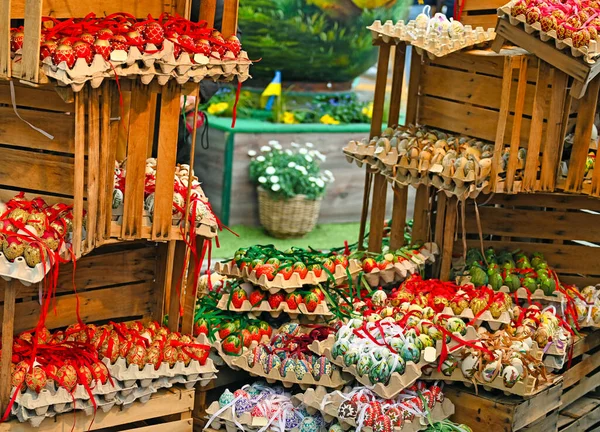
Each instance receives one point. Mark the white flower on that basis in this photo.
(303, 171)
(289, 152)
(320, 183)
(328, 173)
(277, 146)
(270, 170)
(275, 187)
(321, 156)
(312, 179)
(273, 143)
(274, 179)
(291, 164)
(295, 145)
(303, 151)
(309, 145)
(265, 149)
(251, 153)
(308, 158)
(260, 159)
(262, 179)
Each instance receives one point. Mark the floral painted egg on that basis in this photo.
(309, 424)
(340, 347)
(344, 333)
(364, 365)
(510, 376)
(351, 356)
(436, 391)
(426, 341)
(292, 420)
(290, 328)
(449, 365)
(271, 362)
(469, 366)
(517, 363)
(322, 367)
(396, 344)
(244, 405)
(382, 423)
(225, 399)
(429, 398)
(379, 298)
(410, 352)
(380, 372)
(301, 368)
(282, 355)
(395, 415)
(355, 323)
(435, 333)
(396, 364)
(490, 371)
(36, 379)
(255, 356)
(287, 365)
(348, 410)
(456, 325)
(117, 198)
(335, 428)
(381, 353)
(279, 341)
(371, 413)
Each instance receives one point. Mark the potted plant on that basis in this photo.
(290, 186)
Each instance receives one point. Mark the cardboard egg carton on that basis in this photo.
(522, 293)
(493, 323)
(131, 374)
(431, 42)
(18, 269)
(360, 151)
(321, 311)
(280, 284)
(588, 53)
(314, 398)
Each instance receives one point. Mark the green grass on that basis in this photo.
(322, 237)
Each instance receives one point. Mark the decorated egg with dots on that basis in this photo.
(355, 323)
(301, 368)
(291, 329)
(288, 365)
(436, 391)
(322, 367)
(382, 423)
(348, 409)
(395, 415)
(335, 428)
(278, 341)
(272, 361)
(309, 424)
(244, 405)
(292, 420)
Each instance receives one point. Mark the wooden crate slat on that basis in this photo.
(584, 422)
(516, 135)
(106, 169)
(485, 21)
(554, 201)
(463, 86)
(475, 5)
(93, 174)
(448, 115)
(584, 386)
(42, 97)
(139, 121)
(78, 168)
(184, 425)
(15, 132)
(101, 304)
(167, 153)
(10, 290)
(207, 11)
(164, 403)
(5, 60)
(70, 9)
(30, 62)
(230, 18)
(26, 170)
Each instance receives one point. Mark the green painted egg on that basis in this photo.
(411, 352)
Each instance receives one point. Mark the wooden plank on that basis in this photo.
(482, 5)
(191, 291)
(377, 213)
(117, 131)
(554, 139)
(521, 64)
(101, 304)
(165, 163)
(380, 90)
(584, 422)
(544, 200)
(93, 174)
(414, 104)
(478, 412)
(42, 97)
(177, 274)
(139, 121)
(106, 168)
(398, 217)
(581, 407)
(5, 60)
(10, 291)
(468, 87)
(30, 62)
(580, 370)
(421, 215)
(535, 408)
(184, 425)
(525, 224)
(581, 140)
(448, 238)
(15, 132)
(574, 394)
(207, 11)
(164, 403)
(230, 18)
(42, 172)
(485, 21)
(587, 343)
(537, 122)
(562, 258)
(545, 424)
(162, 279)
(78, 171)
(69, 9)
(397, 84)
(469, 120)
(440, 217)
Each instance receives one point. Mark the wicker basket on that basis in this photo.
(294, 217)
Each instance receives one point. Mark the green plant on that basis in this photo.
(291, 172)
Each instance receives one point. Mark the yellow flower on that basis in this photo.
(329, 120)
(217, 108)
(368, 110)
(289, 118)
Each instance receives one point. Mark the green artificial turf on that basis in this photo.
(322, 237)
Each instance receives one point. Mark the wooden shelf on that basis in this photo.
(169, 402)
(205, 231)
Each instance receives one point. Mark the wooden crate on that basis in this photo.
(560, 226)
(479, 13)
(566, 406)
(28, 69)
(167, 410)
